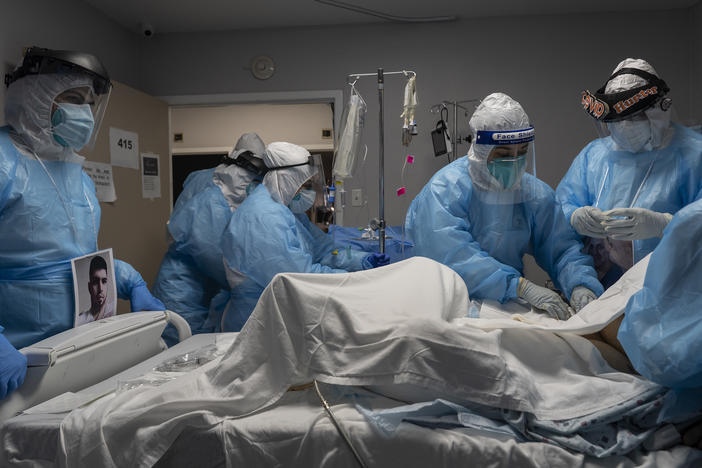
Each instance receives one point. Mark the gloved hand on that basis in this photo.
(635, 223)
(13, 367)
(374, 260)
(586, 220)
(580, 297)
(141, 299)
(544, 299)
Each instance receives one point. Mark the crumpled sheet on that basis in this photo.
(592, 318)
(613, 431)
(387, 327)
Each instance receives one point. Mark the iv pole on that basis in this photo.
(380, 221)
(456, 105)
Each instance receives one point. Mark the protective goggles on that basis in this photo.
(613, 107)
(512, 137)
(247, 160)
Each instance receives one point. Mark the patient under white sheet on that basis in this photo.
(400, 324)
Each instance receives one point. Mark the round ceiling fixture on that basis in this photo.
(262, 67)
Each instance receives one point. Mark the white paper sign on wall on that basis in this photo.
(124, 148)
(150, 176)
(101, 174)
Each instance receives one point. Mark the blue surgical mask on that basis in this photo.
(507, 171)
(303, 201)
(72, 125)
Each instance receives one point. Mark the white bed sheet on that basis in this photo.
(592, 318)
(296, 432)
(379, 327)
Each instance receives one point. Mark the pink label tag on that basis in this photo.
(410, 158)
(401, 191)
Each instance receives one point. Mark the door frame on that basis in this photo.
(332, 96)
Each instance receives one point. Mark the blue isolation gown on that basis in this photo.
(663, 180)
(484, 235)
(662, 327)
(265, 238)
(42, 227)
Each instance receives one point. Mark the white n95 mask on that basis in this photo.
(630, 135)
(303, 201)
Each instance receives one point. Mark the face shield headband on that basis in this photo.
(246, 160)
(498, 138)
(45, 61)
(310, 161)
(613, 107)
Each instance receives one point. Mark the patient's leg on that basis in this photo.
(609, 346)
(609, 334)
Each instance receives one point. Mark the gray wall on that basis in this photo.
(66, 24)
(696, 62)
(544, 62)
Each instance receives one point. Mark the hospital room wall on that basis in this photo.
(542, 61)
(71, 25)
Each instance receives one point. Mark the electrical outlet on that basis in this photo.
(357, 197)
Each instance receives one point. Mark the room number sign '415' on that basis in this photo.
(124, 148)
(125, 144)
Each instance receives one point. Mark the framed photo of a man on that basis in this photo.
(94, 287)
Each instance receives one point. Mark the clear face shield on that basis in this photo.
(310, 197)
(76, 115)
(501, 174)
(75, 87)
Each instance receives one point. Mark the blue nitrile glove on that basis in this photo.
(13, 367)
(130, 285)
(374, 260)
(141, 299)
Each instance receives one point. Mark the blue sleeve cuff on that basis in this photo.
(127, 278)
(511, 292)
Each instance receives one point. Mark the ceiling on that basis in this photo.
(170, 16)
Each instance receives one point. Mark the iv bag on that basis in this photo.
(348, 144)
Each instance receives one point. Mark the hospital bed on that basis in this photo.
(82, 356)
(296, 430)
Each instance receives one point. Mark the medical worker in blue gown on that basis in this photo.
(623, 189)
(662, 328)
(270, 233)
(480, 214)
(202, 179)
(191, 280)
(48, 209)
